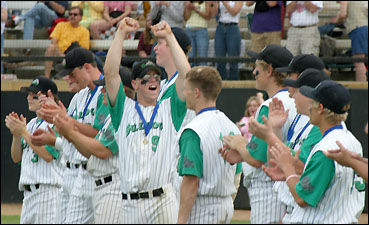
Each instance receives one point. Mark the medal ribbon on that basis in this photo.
(298, 136)
(147, 126)
(89, 100)
(292, 127)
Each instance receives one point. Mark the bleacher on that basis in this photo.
(13, 43)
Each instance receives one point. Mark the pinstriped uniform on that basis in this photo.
(107, 197)
(40, 205)
(78, 186)
(265, 206)
(341, 202)
(213, 202)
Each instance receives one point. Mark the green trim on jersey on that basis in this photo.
(51, 149)
(167, 93)
(116, 112)
(316, 178)
(308, 144)
(239, 168)
(258, 147)
(108, 140)
(178, 107)
(190, 161)
(102, 112)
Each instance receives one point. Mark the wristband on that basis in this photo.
(59, 144)
(291, 176)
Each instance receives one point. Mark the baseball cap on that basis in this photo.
(309, 77)
(332, 95)
(182, 38)
(75, 58)
(301, 62)
(273, 54)
(141, 68)
(125, 75)
(41, 83)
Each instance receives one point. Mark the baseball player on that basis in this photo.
(102, 154)
(265, 207)
(326, 192)
(145, 130)
(88, 115)
(41, 175)
(207, 185)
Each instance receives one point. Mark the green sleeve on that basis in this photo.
(107, 139)
(102, 111)
(178, 107)
(258, 147)
(308, 144)
(316, 178)
(190, 161)
(51, 149)
(116, 112)
(167, 93)
(239, 168)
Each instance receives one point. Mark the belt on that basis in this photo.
(72, 165)
(104, 180)
(228, 24)
(313, 25)
(135, 196)
(28, 187)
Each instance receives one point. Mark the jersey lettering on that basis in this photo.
(155, 142)
(134, 127)
(358, 183)
(35, 158)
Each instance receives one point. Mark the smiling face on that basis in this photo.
(302, 103)
(261, 73)
(79, 78)
(33, 102)
(147, 87)
(253, 107)
(162, 52)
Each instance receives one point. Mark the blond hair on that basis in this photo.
(252, 98)
(330, 116)
(207, 79)
(278, 77)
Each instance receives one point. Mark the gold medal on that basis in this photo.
(145, 141)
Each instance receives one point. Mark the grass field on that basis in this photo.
(15, 220)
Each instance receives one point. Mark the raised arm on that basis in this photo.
(113, 59)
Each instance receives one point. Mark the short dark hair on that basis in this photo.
(79, 9)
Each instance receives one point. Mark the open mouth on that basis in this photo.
(153, 87)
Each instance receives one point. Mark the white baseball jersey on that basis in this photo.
(344, 199)
(40, 205)
(265, 207)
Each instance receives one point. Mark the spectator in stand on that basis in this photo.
(266, 24)
(303, 36)
(228, 37)
(114, 12)
(252, 106)
(171, 11)
(355, 16)
(41, 15)
(197, 15)
(63, 36)
(146, 40)
(92, 10)
(4, 16)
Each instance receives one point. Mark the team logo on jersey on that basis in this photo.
(101, 118)
(187, 163)
(108, 135)
(306, 185)
(252, 145)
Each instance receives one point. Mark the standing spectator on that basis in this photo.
(92, 10)
(4, 16)
(228, 37)
(63, 36)
(171, 11)
(41, 15)
(146, 40)
(252, 105)
(303, 36)
(197, 15)
(355, 16)
(114, 12)
(266, 24)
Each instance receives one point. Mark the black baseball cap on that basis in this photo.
(182, 38)
(301, 62)
(41, 83)
(273, 54)
(141, 68)
(75, 58)
(309, 77)
(125, 75)
(332, 95)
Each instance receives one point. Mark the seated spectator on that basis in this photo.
(197, 15)
(92, 10)
(146, 40)
(114, 12)
(41, 15)
(266, 24)
(303, 36)
(63, 36)
(355, 16)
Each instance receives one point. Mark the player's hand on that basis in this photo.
(128, 25)
(235, 142)
(230, 155)
(277, 116)
(161, 30)
(262, 131)
(17, 125)
(46, 100)
(42, 137)
(49, 111)
(65, 125)
(274, 173)
(342, 155)
(283, 158)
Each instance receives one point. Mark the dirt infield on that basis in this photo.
(15, 209)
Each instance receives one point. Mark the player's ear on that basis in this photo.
(197, 92)
(134, 84)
